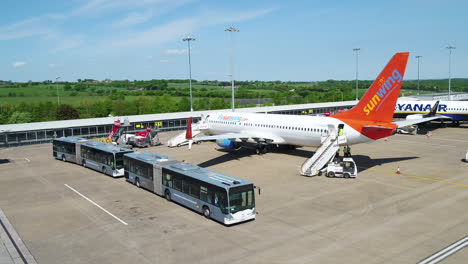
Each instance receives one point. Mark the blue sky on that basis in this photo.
(278, 40)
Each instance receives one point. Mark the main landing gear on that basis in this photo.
(261, 149)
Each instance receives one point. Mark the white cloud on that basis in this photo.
(176, 51)
(27, 28)
(19, 64)
(164, 61)
(52, 65)
(134, 18)
(155, 35)
(180, 28)
(71, 42)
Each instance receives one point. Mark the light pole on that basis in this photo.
(232, 30)
(417, 57)
(357, 71)
(341, 95)
(450, 48)
(188, 39)
(56, 86)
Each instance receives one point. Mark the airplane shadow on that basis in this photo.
(433, 126)
(362, 161)
(229, 156)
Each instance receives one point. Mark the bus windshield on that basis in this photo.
(241, 198)
(119, 164)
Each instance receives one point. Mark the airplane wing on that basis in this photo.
(244, 136)
(404, 123)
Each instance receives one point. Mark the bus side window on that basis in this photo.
(195, 190)
(177, 184)
(185, 186)
(204, 194)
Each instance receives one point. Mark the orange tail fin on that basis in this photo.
(378, 103)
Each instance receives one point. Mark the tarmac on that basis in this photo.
(12, 248)
(379, 217)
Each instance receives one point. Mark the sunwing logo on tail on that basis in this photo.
(386, 87)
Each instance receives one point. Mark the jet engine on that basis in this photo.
(228, 144)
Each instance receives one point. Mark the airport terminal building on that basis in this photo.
(43, 132)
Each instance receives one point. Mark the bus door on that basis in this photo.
(78, 153)
(157, 180)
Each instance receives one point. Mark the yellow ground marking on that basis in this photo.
(421, 178)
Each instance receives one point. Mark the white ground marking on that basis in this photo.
(27, 159)
(442, 254)
(100, 207)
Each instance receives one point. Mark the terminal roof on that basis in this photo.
(62, 124)
(71, 139)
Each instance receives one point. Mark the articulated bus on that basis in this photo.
(68, 148)
(224, 198)
(103, 157)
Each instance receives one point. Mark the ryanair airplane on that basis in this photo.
(455, 111)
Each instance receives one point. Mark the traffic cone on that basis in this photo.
(398, 170)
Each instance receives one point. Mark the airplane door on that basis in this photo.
(332, 129)
(157, 180)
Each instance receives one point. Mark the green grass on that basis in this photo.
(71, 100)
(194, 86)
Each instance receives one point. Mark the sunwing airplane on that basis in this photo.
(449, 110)
(369, 120)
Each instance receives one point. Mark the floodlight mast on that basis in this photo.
(357, 71)
(56, 86)
(450, 48)
(232, 30)
(188, 39)
(418, 57)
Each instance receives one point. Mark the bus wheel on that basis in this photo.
(206, 211)
(167, 195)
(63, 158)
(331, 174)
(347, 175)
(104, 170)
(137, 183)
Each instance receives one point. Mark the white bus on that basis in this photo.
(218, 196)
(68, 148)
(103, 157)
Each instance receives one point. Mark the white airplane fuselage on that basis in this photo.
(287, 129)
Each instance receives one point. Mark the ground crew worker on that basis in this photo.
(337, 156)
(347, 151)
(341, 132)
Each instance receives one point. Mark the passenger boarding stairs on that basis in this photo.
(326, 152)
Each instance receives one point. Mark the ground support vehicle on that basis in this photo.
(345, 167)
